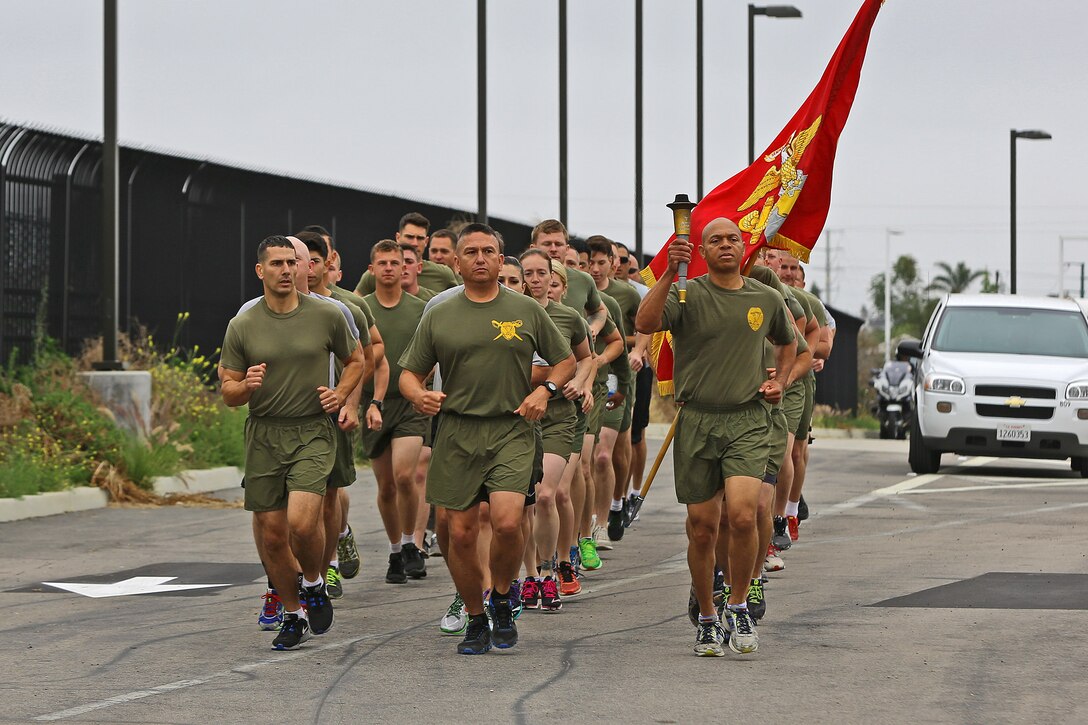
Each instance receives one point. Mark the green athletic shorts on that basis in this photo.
(343, 467)
(712, 446)
(596, 416)
(805, 422)
(581, 424)
(558, 426)
(473, 457)
(793, 404)
(619, 418)
(779, 439)
(399, 420)
(285, 455)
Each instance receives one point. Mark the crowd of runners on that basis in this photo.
(502, 402)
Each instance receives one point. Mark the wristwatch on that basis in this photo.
(551, 387)
(378, 404)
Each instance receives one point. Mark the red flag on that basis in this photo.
(765, 199)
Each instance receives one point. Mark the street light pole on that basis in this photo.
(481, 111)
(110, 213)
(1013, 135)
(888, 234)
(771, 11)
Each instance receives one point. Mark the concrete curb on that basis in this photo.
(202, 481)
(83, 498)
(86, 498)
(658, 431)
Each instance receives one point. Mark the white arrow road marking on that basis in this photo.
(135, 585)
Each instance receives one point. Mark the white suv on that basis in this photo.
(1001, 375)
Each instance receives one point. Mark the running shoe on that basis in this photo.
(587, 552)
(709, 639)
(395, 573)
(615, 525)
(793, 524)
(515, 598)
(781, 538)
(742, 633)
(530, 593)
(693, 607)
(271, 616)
(603, 544)
(549, 595)
(477, 637)
(757, 604)
(773, 562)
(802, 509)
(318, 608)
(414, 566)
(504, 633)
(455, 620)
(333, 583)
(576, 560)
(348, 555)
(630, 508)
(430, 544)
(720, 597)
(295, 631)
(568, 583)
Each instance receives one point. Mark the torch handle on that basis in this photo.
(682, 281)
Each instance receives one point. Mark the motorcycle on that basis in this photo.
(894, 384)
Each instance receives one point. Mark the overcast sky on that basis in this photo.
(382, 95)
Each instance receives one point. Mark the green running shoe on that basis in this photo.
(757, 603)
(334, 585)
(587, 549)
(348, 555)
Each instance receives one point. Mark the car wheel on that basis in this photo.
(922, 459)
(1080, 465)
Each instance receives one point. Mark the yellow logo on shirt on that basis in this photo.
(755, 318)
(507, 330)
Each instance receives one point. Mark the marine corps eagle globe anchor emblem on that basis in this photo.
(507, 330)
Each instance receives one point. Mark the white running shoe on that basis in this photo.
(773, 562)
(743, 638)
(455, 620)
(603, 542)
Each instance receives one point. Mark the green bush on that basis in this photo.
(24, 475)
(146, 460)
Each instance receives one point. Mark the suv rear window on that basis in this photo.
(1012, 331)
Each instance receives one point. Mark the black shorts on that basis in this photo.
(644, 390)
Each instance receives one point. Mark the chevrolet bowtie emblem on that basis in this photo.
(1015, 402)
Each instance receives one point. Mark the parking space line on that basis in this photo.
(992, 486)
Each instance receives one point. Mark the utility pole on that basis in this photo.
(110, 213)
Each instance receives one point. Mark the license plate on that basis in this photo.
(1014, 432)
(895, 408)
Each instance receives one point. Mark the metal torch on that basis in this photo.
(681, 224)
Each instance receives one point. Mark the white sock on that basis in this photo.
(307, 583)
(345, 532)
(300, 613)
(394, 548)
(407, 539)
(791, 508)
(617, 505)
(335, 563)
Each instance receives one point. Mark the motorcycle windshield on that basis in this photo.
(896, 371)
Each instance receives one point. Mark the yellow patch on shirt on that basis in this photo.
(755, 318)
(509, 330)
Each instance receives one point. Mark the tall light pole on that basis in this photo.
(563, 113)
(1013, 135)
(888, 234)
(698, 100)
(110, 213)
(481, 111)
(771, 11)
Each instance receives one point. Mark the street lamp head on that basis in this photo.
(776, 11)
(1032, 134)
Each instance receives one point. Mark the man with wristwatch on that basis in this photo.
(394, 433)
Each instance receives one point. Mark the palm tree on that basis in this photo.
(954, 279)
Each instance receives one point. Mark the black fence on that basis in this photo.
(189, 234)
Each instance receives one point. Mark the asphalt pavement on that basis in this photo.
(959, 597)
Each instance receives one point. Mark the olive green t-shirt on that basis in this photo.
(818, 308)
(343, 295)
(718, 338)
(621, 366)
(485, 350)
(362, 320)
(582, 294)
(767, 276)
(628, 299)
(571, 325)
(435, 277)
(396, 325)
(423, 293)
(295, 347)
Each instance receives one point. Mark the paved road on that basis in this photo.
(973, 651)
